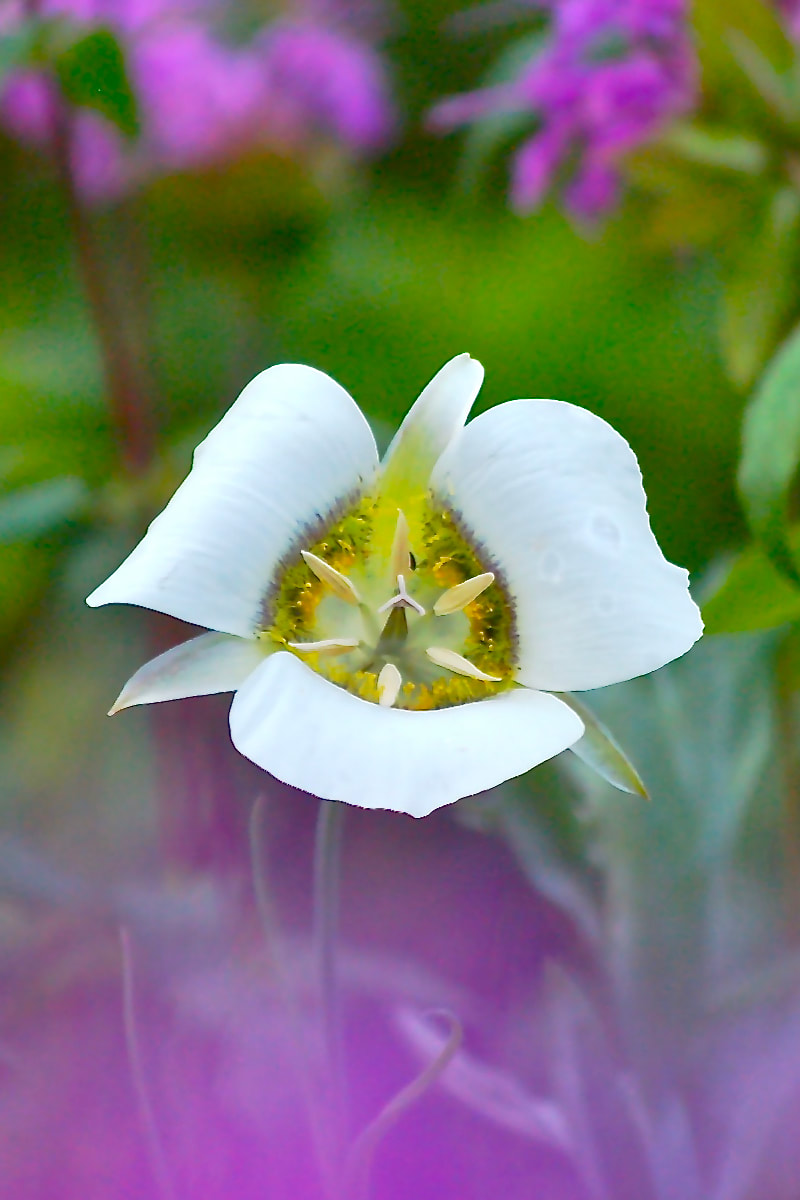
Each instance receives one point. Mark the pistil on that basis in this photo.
(402, 599)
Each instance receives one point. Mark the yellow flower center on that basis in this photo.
(400, 612)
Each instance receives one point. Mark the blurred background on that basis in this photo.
(598, 199)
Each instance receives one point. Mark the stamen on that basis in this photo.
(389, 683)
(401, 548)
(458, 597)
(402, 599)
(339, 584)
(456, 663)
(327, 647)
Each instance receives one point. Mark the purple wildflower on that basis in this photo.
(790, 11)
(204, 101)
(319, 79)
(612, 74)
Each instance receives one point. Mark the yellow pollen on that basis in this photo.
(339, 584)
(401, 547)
(389, 683)
(458, 597)
(457, 663)
(328, 646)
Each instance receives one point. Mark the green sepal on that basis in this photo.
(598, 749)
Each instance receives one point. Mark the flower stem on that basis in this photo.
(286, 990)
(327, 864)
(126, 380)
(359, 1159)
(152, 1137)
(125, 386)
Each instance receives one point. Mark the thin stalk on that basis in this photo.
(287, 994)
(327, 874)
(125, 384)
(150, 1131)
(359, 1160)
(125, 388)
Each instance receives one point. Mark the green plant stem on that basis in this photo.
(125, 386)
(327, 872)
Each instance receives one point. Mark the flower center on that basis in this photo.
(400, 613)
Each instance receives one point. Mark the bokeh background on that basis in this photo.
(191, 192)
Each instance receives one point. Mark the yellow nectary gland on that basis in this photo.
(485, 629)
(491, 643)
(292, 608)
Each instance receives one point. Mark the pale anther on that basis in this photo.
(401, 547)
(339, 584)
(327, 647)
(389, 683)
(459, 665)
(402, 599)
(458, 597)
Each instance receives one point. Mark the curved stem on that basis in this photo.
(359, 1161)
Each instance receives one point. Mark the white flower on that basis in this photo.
(392, 630)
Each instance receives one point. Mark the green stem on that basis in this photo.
(327, 864)
(125, 388)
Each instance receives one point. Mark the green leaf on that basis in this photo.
(719, 148)
(33, 511)
(771, 84)
(770, 453)
(754, 594)
(488, 134)
(93, 74)
(598, 749)
(760, 288)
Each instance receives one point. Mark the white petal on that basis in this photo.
(292, 448)
(554, 497)
(318, 737)
(211, 663)
(433, 421)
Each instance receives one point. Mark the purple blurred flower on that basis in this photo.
(612, 73)
(203, 100)
(27, 110)
(321, 79)
(790, 11)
